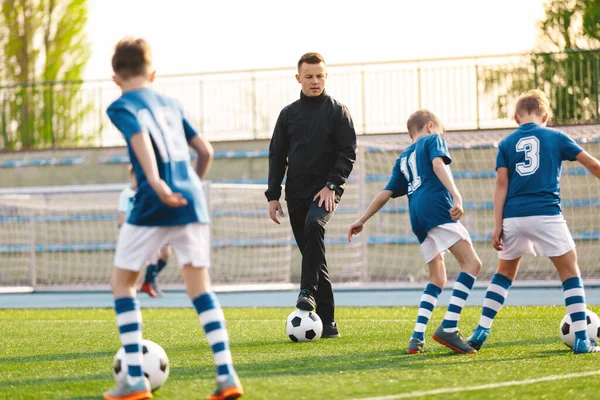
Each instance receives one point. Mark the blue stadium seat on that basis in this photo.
(11, 163)
(38, 162)
(115, 160)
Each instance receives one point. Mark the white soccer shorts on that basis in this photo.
(546, 235)
(138, 244)
(441, 238)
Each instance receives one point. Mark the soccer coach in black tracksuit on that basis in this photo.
(314, 138)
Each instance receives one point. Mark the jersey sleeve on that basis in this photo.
(189, 130)
(124, 201)
(438, 148)
(124, 119)
(397, 184)
(501, 161)
(569, 149)
(188, 127)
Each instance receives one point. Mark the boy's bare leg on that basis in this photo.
(123, 282)
(566, 265)
(197, 281)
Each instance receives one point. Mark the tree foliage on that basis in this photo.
(43, 45)
(566, 66)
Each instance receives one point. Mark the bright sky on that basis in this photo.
(211, 35)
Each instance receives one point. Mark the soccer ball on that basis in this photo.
(593, 328)
(155, 364)
(304, 326)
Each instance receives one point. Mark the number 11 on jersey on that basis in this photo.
(410, 169)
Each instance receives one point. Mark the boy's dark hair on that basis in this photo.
(310, 58)
(132, 57)
(419, 119)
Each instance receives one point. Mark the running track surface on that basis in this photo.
(287, 298)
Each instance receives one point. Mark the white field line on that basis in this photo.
(483, 387)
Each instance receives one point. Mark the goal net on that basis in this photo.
(64, 237)
(393, 254)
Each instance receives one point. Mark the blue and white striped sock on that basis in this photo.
(213, 321)
(428, 301)
(494, 299)
(460, 291)
(575, 302)
(129, 321)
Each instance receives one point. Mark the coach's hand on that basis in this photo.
(167, 196)
(326, 196)
(497, 238)
(457, 208)
(355, 229)
(274, 208)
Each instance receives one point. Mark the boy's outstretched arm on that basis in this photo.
(142, 147)
(378, 202)
(205, 155)
(444, 175)
(590, 162)
(499, 200)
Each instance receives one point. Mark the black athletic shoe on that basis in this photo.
(330, 331)
(306, 301)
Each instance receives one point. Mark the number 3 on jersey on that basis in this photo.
(531, 146)
(409, 169)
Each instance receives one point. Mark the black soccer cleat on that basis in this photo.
(306, 301)
(330, 331)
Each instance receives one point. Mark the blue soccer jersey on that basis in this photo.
(429, 201)
(145, 111)
(533, 156)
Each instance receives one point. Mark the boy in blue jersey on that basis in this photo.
(528, 217)
(126, 200)
(435, 206)
(169, 207)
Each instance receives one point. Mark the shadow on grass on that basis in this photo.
(50, 381)
(348, 363)
(306, 365)
(56, 357)
(521, 342)
(203, 345)
(555, 352)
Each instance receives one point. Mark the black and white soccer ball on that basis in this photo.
(155, 364)
(593, 328)
(304, 326)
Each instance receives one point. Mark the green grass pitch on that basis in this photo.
(67, 354)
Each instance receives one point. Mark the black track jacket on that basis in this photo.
(314, 138)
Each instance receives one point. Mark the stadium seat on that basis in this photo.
(38, 162)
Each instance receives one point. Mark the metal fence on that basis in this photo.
(467, 93)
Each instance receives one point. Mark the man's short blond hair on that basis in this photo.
(132, 58)
(533, 102)
(419, 119)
